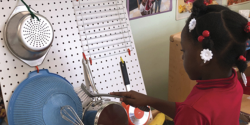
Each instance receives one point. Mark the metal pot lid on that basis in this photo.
(36, 35)
(113, 114)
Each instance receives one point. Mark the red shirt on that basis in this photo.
(212, 102)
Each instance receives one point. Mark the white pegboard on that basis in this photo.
(104, 39)
(103, 27)
(64, 57)
(105, 23)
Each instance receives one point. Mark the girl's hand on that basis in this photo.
(133, 98)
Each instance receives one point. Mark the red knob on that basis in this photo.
(138, 113)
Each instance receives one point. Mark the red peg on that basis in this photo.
(242, 58)
(37, 69)
(90, 61)
(84, 56)
(201, 38)
(206, 33)
(129, 52)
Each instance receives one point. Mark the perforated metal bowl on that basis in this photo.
(35, 35)
(28, 39)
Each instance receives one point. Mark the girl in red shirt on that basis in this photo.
(213, 41)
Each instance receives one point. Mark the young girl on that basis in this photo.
(213, 41)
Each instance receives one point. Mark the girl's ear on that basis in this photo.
(206, 63)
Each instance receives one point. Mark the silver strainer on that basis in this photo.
(36, 35)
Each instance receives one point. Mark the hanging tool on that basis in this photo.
(137, 116)
(69, 114)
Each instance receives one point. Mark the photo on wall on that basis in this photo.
(143, 8)
(184, 7)
(235, 2)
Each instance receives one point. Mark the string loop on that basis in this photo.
(31, 13)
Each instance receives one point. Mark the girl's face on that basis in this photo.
(191, 55)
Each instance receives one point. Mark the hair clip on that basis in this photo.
(206, 3)
(201, 38)
(247, 27)
(205, 33)
(206, 55)
(243, 76)
(242, 58)
(192, 24)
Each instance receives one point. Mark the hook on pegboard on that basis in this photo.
(90, 61)
(129, 52)
(84, 56)
(37, 69)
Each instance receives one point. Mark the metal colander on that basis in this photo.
(28, 39)
(36, 35)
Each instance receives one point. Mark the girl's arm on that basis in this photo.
(137, 99)
(163, 106)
